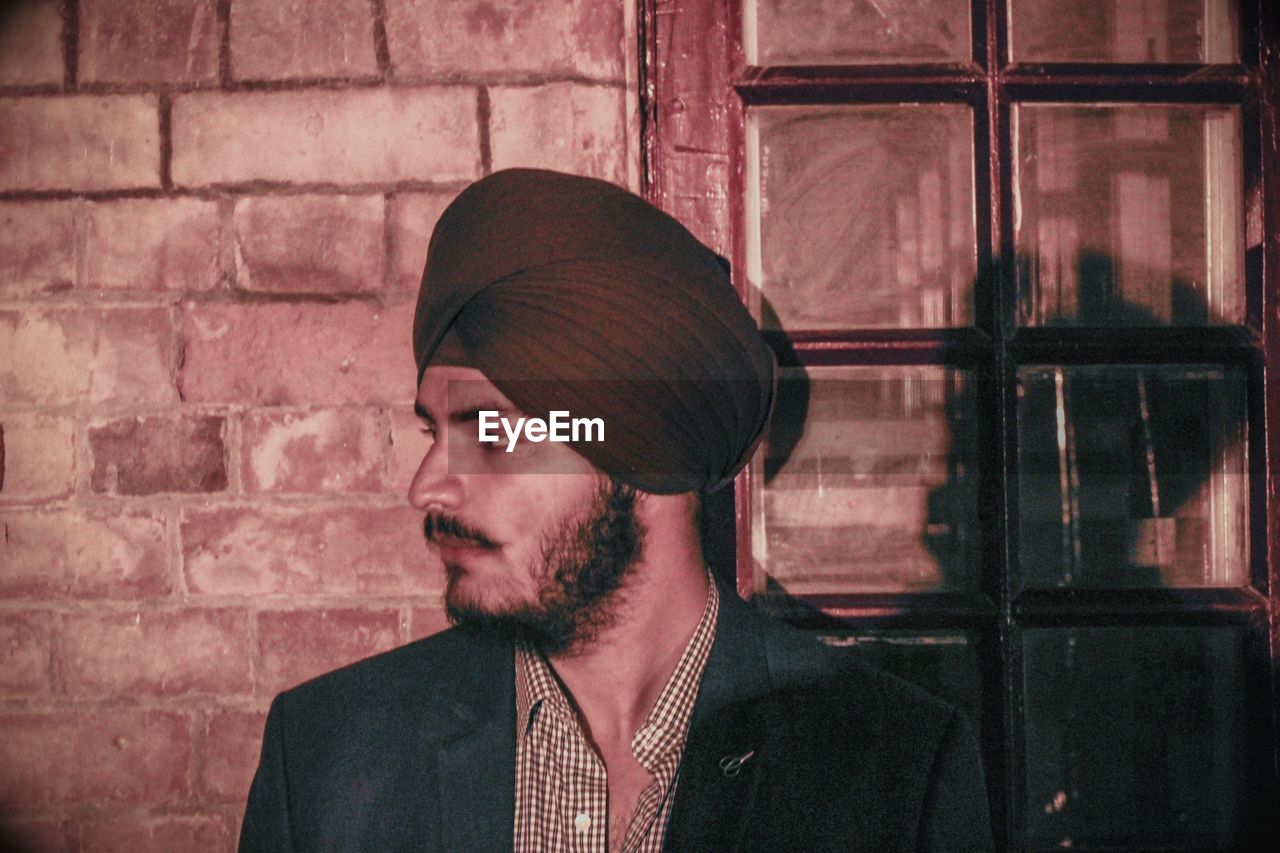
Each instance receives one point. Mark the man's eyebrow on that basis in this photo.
(422, 413)
(472, 413)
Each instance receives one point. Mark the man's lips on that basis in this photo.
(453, 547)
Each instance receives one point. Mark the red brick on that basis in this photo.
(335, 450)
(37, 458)
(152, 244)
(31, 43)
(413, 218)
(282, 354)
(232, 743)
(335, 551)
(109, 757)
(37, 246)
(309, 244)
(117, 835)
(207, 834)
(296, 645)
(160, 41)
(25, 640)
(60, 356)
(425, 621)
(326, 136)
(408, 445)
(569, 127)
(166, 453)
(142, 833)
(145, 653)
(580, 37)
(319, 38)
(62, 553)
(79, 142)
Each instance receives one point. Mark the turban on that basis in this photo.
(569, 293)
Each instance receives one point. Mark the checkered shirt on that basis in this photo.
(561, 788)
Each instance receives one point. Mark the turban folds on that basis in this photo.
(571, 293)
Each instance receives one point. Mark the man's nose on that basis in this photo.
(434, 486)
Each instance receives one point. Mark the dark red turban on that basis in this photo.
(571, 293)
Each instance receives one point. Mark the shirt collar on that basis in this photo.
(535, 684)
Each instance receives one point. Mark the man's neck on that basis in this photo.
(617, 679)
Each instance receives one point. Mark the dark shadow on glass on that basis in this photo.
(791, 409)
(1128, 476)
(719, 513)
(1114, 461)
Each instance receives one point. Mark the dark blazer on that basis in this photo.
(414, 749)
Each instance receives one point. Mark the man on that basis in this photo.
(598, 691)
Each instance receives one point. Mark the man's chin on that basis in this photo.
(520, 626)
(552, 632)
(469, 597)
(467, 601)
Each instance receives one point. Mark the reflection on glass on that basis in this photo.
(1188, 31)
(944, 663)
(1129, 206)
(1135, 737)
(1132, 476)
(840, 32)
(861, 216)
(874, 489)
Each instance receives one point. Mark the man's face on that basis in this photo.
(535, 541)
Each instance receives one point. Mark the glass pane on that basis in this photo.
(1124, 31)
(1132, 476)
(1129, 215)
(861, 216)
(867, 482)
(944, 663)
(840, 32)
(1135, 737)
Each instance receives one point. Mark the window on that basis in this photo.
(1011, 256)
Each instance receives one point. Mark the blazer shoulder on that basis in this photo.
(827, 688)
(840, 686)
(350, 759)
(800, 660)
(443, 664)
(846, 750)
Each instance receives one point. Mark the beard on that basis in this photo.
(580, 575)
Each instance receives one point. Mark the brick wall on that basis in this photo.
(213, 218)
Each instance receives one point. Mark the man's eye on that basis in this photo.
(428, 431)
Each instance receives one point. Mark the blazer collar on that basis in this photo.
(727, 750)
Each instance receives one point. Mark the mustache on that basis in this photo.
(437, 525)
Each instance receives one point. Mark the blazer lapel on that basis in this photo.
(477, 768)
(727, 751)
(720, 773)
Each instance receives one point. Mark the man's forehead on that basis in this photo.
(453, 388)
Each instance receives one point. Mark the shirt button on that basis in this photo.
(582, 822)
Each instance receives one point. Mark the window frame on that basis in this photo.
(695, 90)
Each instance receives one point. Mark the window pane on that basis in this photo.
(944, 663)
(1135, 737)
(1129, 215)
(1124, 31)
(1132, 476)
(874, 489)
(861, 216)
(839, 32)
